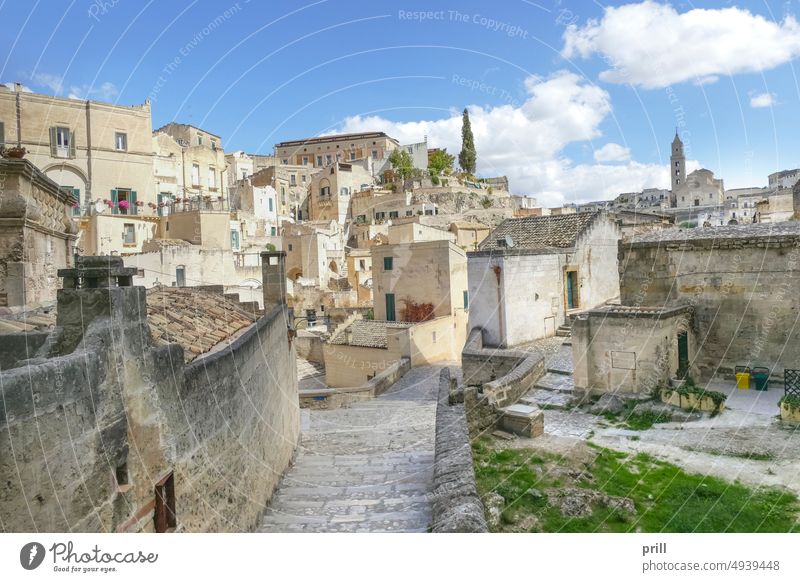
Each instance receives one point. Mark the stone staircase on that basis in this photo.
(556, 388)
(308, 369)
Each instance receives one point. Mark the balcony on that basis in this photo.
(204, 203)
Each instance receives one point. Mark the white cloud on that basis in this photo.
(652, 45)
(53, 82)
(762, 100)
(612, 152)
(105, 91)
(526, 142)
(11, 87)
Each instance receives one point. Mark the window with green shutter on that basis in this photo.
(114, 202)
(133, 208)
(2, 133)
(388, 263)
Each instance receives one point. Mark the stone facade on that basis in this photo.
(521, 293)
(749, 273)
(128, 439)
(37, 236)
(323, 151)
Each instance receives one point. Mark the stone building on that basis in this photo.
(99, 152)
(674, 286)
(469, 234)
(291, 184)
(332, 188)
(531, 274)
(420, 305)
(37, 235)
(700, 189)
(324, 151)
(784, 179)
(105, 429)
(190, 164)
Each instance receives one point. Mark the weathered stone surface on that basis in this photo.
(578, 502)
(494, 508)
(608, 403)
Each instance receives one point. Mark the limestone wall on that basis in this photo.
(85, 448)
(743, 290)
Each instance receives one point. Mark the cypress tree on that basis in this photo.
(468, 157)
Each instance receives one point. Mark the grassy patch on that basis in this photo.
(637, 420)
(666, 498)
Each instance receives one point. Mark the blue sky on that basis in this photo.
(572, 100)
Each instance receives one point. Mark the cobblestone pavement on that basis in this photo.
(366, 468)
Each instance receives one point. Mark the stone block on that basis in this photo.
(523, 420)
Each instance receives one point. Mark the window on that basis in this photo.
(121, 141)
(325, 191)
(319, 160)
(344, 191)
(269, 204)
(466, 300)
(164, 514)
(199, 140)
(380, 215)
(2, 133)
(285, 162)
(62, 142)
(195, 175)
(212, 178)
(433, 337)
(244, 174)
(129, 234)
(374, 154)
(394, 214)
(328, 159)
(290, 247)
(293, 180)
(352, 156)
(362, 265)
(123, 201)
(213, 145)
(303, 178)
(305, 160)
(677, 164)
(409, 213)
(235, 240)
(388, 263)
(273, 231)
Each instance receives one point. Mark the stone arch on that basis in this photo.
(61, 172)
(295, 273)
(254, 283)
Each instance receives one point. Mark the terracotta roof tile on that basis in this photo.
(539, 232)
(198, 320)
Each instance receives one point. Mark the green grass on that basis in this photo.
(666, 498)
(637, 420)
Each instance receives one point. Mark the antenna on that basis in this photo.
(509, 241)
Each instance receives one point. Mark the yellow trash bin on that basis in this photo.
(742, 377)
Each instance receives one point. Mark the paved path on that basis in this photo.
(366, 468)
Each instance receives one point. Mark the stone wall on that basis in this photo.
(110, 417)
(742, 283)
(456, 504)
(331, 398)
(495, 379)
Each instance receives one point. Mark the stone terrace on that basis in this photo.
(367, 468)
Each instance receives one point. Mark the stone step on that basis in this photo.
(556, 382)
(560, 332)
(547, 399)
(523, 420)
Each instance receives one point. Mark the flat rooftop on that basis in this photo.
(763, 231)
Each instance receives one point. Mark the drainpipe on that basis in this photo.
(500, 308)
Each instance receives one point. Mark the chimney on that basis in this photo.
(273, 274)
(98, 288)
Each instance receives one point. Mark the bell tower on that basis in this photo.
(677, 167)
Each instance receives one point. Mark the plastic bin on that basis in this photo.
(761, 378)
(742, 377)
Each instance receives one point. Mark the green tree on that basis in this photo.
(468, 158)
(440, 163)
(402, 163)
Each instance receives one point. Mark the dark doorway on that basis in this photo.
(165, 519)
(390, 311)
(683, 354)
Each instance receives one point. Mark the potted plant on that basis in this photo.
(123, 204)
(15, 152)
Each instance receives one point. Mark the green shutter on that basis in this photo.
(466, 299)
(72, 144)
(390, 313)
(133, 208)
(388, 263)
(114, 201)
(53, 142)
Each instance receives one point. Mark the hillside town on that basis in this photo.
(351, 333)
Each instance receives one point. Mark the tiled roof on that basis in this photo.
(24, 322)
(366, 333)
(197, 320)
(463, 224)
(744, 231)
(539, 232)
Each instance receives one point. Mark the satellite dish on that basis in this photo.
(99, 207)
(509, 241)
